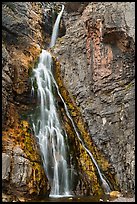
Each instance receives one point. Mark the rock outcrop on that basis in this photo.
(20, 48)
(97, 68)
(23, 175)
(22, 40)
(86, 160)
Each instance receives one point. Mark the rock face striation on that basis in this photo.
(97, 68)
(22, 40)
(95, 50)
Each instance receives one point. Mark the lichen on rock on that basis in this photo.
(83, 164)
(98, 70)
(21, 155)
(22, 40)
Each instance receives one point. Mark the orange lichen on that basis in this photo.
(21, 136)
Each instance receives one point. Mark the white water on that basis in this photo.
(56, 28)
(48, 128)
(46, 124)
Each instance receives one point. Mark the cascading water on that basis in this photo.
(46, 124)
(48, 128)
(55, 28)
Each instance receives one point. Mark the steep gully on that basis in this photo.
(47, 126)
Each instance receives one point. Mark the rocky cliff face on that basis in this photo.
(95, 49)
(23, 37)
(97, 68)
(22, 40)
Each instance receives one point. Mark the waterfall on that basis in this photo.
(47, 127)
(55, 28)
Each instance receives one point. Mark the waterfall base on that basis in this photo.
(61, 196)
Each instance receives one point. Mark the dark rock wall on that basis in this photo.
(97, 68)
(22, 40)
(85, 175)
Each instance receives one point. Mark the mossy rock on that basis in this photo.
(39, 183)
(21, 136)
(84, 163)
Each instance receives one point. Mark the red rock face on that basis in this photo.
(101, 44)
(100, 55)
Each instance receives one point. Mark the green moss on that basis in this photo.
(28, 147)
(28, 143)
(32, 66)
(129, 86)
